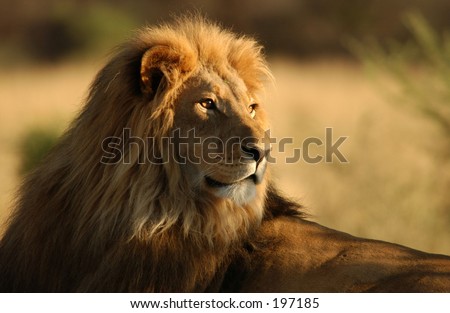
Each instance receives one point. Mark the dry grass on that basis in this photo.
(35, 97)
(388, 190)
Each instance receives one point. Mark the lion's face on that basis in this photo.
(219, 126)
(216, 125)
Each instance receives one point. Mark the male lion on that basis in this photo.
(149, 190)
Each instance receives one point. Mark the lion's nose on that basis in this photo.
(254, 152)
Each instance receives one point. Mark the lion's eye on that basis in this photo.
(207, 104)
(252, 109)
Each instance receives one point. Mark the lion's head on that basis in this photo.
(188, 96)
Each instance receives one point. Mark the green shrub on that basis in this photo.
(35, 145)
(69, 30)
(416, 77)
(420, 69)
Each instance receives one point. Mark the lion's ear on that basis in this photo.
(162, 62)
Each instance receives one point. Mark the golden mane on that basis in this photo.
(200, 44)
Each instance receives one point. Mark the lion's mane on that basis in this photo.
(83, 225)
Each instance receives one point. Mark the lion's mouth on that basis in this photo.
(217, 184)
(214, 183)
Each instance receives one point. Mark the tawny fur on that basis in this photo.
(85, 225)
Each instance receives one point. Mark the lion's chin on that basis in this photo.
(241, 192)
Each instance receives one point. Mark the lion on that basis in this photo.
(162, 184)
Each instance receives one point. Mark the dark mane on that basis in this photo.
(279, 205)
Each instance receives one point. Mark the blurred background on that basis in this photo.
(376, 71)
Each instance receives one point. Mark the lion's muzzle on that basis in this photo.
(223, 175)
